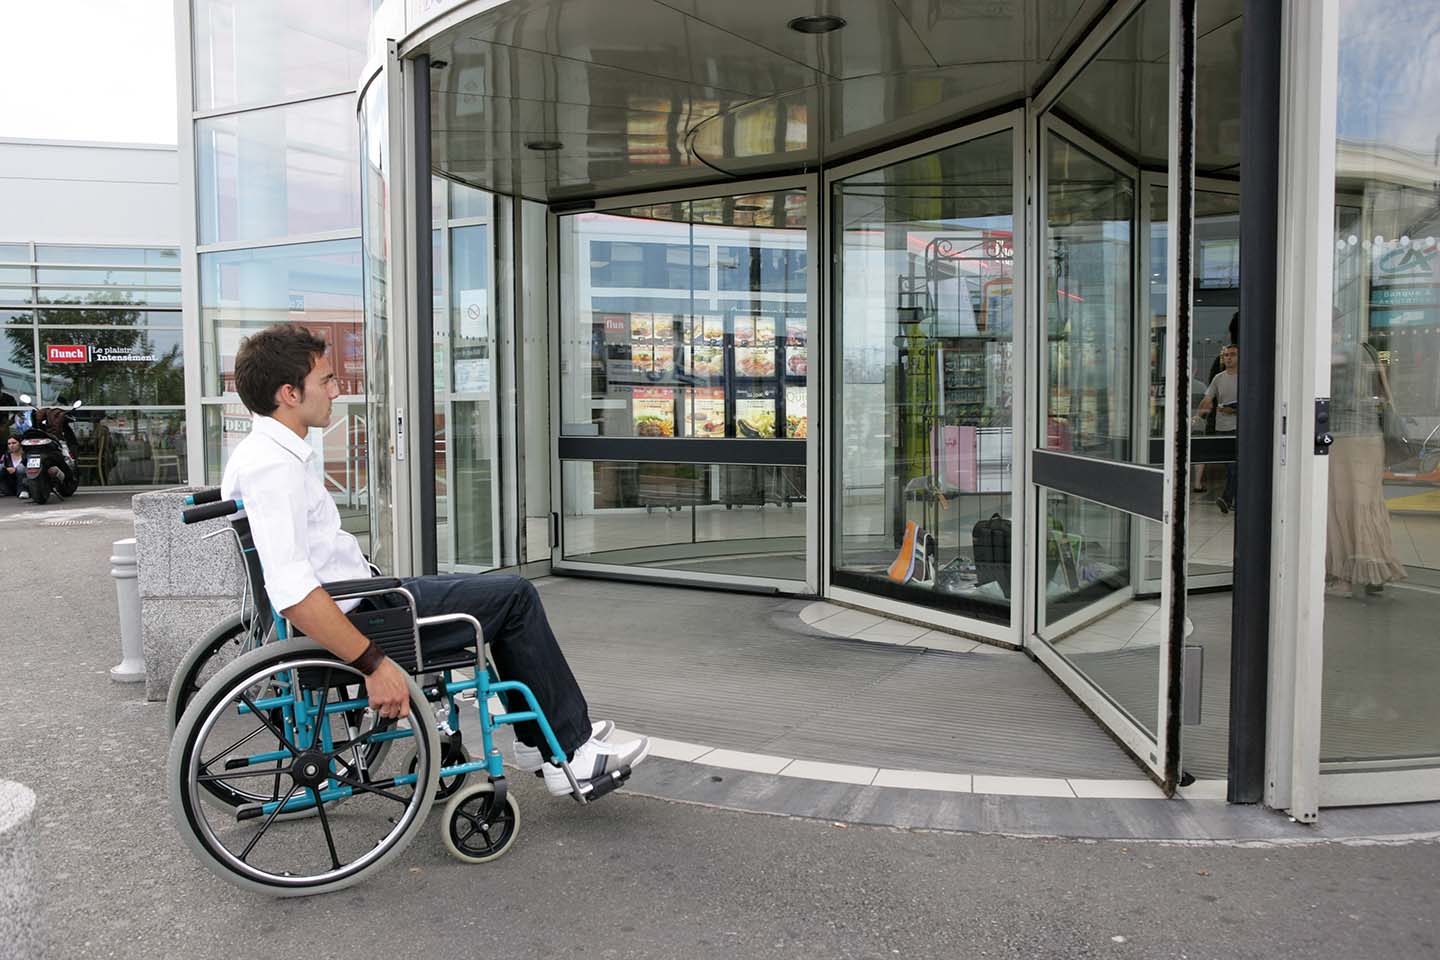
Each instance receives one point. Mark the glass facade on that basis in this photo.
(278, 198)
(108, 332)
(280, 172)
(261, 51)
(1382, 543)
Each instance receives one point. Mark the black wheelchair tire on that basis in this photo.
(214, 695)
(184, 686)
(460, 811)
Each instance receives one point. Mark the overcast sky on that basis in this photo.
(88, 70)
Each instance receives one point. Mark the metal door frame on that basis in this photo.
(1008, 634)
(1160, 753)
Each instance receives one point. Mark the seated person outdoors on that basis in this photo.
(285, 379)
(12, 468)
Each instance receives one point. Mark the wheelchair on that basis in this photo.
(281, 778)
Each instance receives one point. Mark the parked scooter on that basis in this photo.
(49, 461)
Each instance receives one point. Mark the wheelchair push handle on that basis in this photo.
(210, 511)
(204, 496)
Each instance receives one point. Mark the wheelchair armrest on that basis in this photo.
(339, 589)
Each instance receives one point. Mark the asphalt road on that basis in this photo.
(631, 877)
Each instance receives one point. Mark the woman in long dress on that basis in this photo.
(1359, 546)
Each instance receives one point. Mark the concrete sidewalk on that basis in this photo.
(641, 875)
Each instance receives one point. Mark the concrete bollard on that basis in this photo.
(123, 567)
(20, 931)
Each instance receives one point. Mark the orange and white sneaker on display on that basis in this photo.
(903, 569)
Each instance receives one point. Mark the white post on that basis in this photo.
(124, 568)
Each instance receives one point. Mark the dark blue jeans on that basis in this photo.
(522, 647)
(1232, 478)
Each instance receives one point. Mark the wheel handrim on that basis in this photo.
(255, 852)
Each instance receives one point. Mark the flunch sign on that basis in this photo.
(67, 353)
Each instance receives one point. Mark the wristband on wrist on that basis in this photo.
(369, 661)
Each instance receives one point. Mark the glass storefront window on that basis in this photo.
(121, 447)
(1089, 211)
(341, 455)
(105, 256)
(315, 284)
(12, 256)
(109, 316)
(111, 365)
(687, 516)
(925, 404)
(107, 277)
(17, 364)
(688, 329)
(278, 172)
(113, 296)
(1382, 559)
(252, 51)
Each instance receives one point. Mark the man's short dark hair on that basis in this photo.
(282, 353)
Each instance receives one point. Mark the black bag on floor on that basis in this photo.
(991, 540)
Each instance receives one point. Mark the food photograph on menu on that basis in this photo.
(755, 362)
(640, 326)
(795, 331)
(797, 361)
(712, 330)
(664, 328)
(653, 409)
(797, 420)
(707, 412)
(707, 362)
(755, 417)
(642, 358)
(764, 331)
(744, 331)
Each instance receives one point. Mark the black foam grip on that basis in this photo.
(205, 496)
(209, 511)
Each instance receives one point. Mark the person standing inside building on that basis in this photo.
(1223, 395)
(1359, 545)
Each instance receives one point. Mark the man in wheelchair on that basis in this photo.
(285, 379)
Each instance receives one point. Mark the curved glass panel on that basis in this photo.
(1382, 558)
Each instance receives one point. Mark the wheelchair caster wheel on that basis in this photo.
(451, 755)
(475, 829)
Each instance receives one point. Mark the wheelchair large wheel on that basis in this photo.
(227, 640)
(475, 828)
(272, 724)
(224, 642)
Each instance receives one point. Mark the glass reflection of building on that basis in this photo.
(100, 324)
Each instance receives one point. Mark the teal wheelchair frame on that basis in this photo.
(306, 753)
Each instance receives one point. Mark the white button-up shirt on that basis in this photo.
(293, 519)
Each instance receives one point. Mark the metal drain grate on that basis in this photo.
(76, 522)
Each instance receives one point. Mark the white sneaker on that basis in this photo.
(594, 759)
(24, 494)
(528, 758)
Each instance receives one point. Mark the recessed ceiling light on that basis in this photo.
(544, 146)
(818, 24)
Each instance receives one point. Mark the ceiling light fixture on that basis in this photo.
(544, 146)
(439, 64)
(818, 24)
